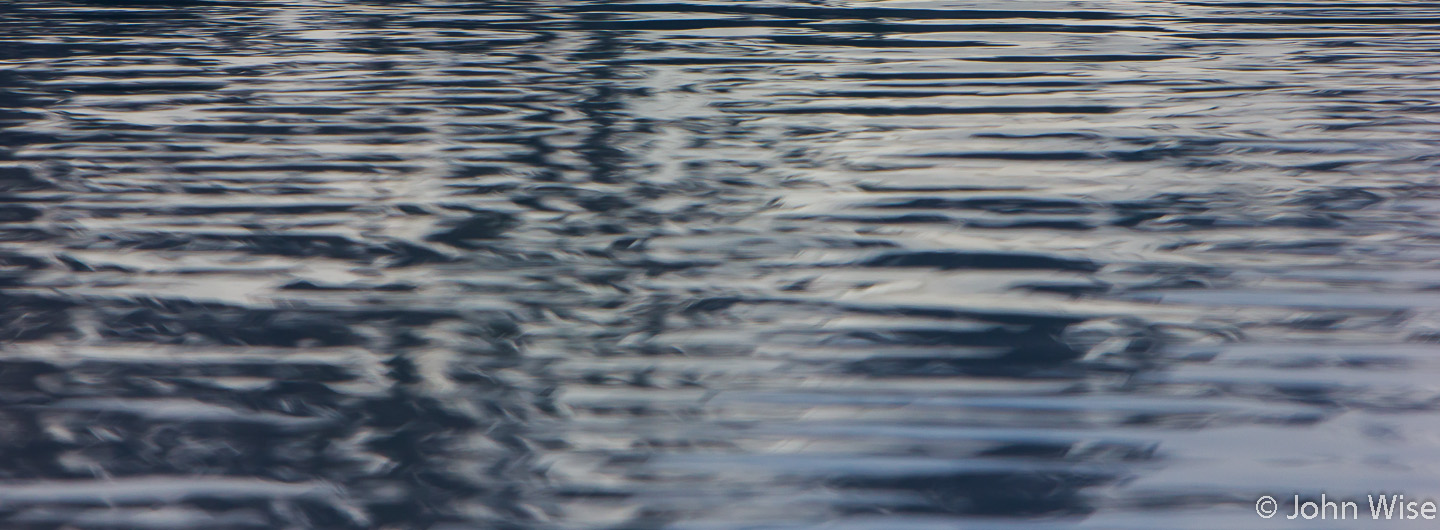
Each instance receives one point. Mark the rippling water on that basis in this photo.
(772, 264)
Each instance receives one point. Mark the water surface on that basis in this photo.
(714, 264)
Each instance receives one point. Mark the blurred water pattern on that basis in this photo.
(771, 264)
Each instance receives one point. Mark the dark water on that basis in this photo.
(714, 265)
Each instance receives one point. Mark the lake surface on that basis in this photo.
(891, 265)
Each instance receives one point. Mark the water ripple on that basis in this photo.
(713, 263)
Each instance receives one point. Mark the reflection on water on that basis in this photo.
(713, 264)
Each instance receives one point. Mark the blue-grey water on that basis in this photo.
(725, 264)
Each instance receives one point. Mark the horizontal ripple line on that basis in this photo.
(913, 111)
